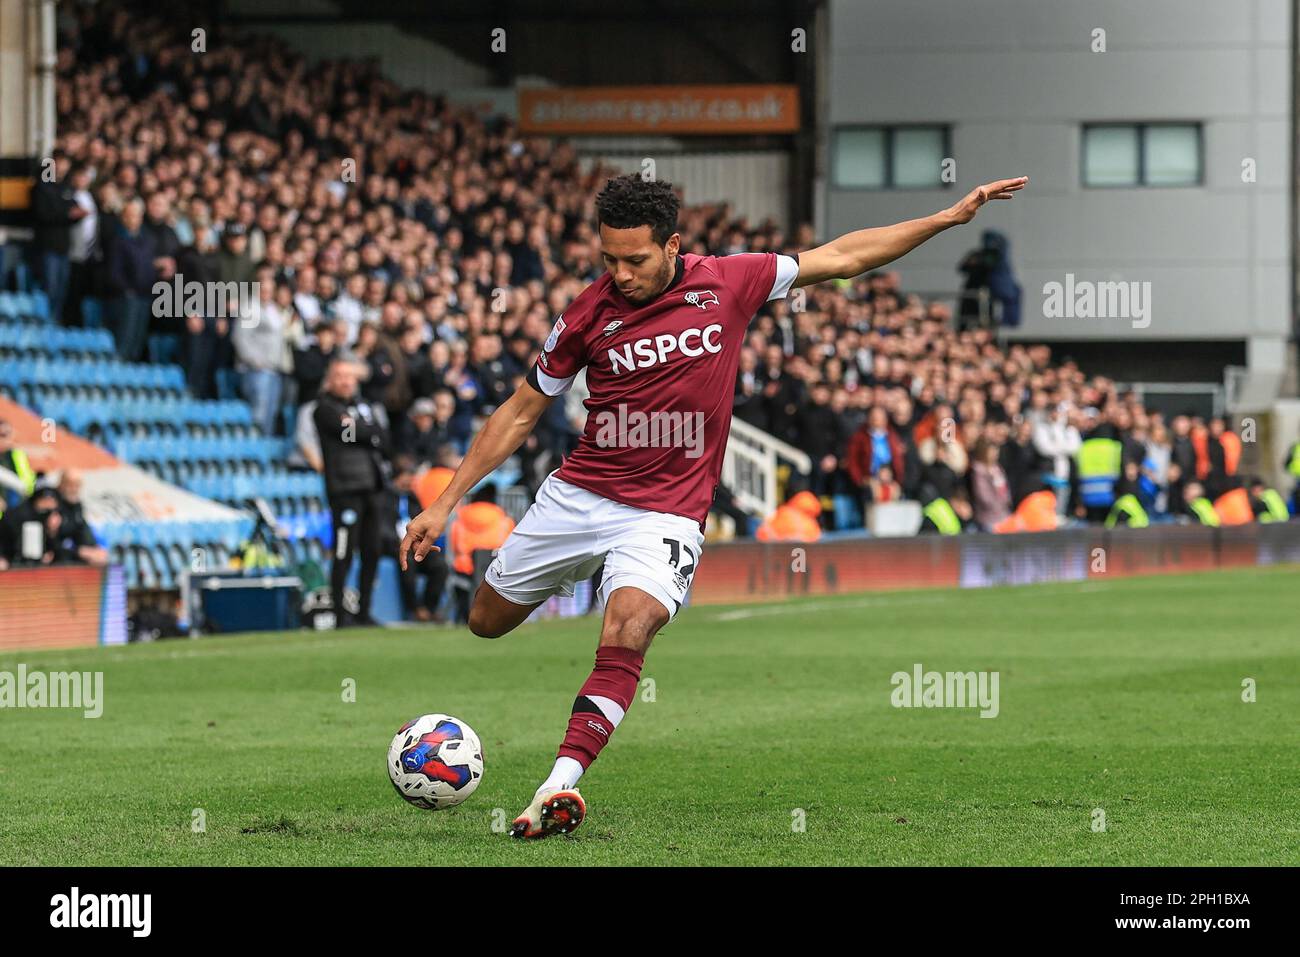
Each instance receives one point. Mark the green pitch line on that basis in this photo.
(1123, 696)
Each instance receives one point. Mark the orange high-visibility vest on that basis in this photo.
(1037, 513)
(477, 525)
(807, 503)
(1231, 452)
(431, 484)
(789, 524)
(1200, 439)
(1233, 508)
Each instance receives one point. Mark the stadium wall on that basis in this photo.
(64, 606)
(1016, 79)
(752, 571)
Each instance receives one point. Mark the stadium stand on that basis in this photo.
(440, 268)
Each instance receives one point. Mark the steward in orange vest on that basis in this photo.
(795, 521)
(1037, 513)
(1234, 508)
(431, 484)
(481, 524)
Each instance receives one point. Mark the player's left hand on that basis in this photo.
(964, 211)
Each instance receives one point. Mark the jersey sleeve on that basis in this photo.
(759, 277)
(561, 357)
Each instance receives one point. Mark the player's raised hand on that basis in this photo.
(964, 211)
(421, 532)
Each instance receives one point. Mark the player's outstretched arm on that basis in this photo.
(855, 253)
(504, 431)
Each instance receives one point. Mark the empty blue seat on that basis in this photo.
(40, 305)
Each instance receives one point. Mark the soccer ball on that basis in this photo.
(435, 761)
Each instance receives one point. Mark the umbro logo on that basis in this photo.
(703, 299)
(611, 327)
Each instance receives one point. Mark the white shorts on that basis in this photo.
(568, 532)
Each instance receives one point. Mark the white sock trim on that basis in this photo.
(564, 775)
(608, 707)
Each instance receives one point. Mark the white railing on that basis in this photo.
(750, 463)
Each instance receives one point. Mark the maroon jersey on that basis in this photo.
(662, 377)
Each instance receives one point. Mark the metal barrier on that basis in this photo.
(514, 501)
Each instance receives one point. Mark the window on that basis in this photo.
(1142, 154)
(889, 157)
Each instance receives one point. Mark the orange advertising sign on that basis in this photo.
(731, 108)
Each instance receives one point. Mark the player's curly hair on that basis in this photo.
(630, 201)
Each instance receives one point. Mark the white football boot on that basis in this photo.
(553, 811)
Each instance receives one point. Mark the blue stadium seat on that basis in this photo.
(40, 305)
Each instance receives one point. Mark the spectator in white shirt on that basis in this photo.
(1057, 439)
(261, 341)
(83, 248)
(305, 299)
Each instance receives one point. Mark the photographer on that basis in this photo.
(30, 533)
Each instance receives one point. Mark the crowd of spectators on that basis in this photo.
(436, 246)
(891, 403)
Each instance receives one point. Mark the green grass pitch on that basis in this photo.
(1123, 695)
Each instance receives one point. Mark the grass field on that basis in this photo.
(1123, 695)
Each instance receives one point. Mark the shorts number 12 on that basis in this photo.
(675, 549)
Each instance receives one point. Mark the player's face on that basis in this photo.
(641, 268)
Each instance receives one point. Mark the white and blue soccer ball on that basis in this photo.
(435, 761)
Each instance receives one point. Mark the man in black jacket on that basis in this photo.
(354, 446)
(42, 510)
(781, 395)
(821, 436)
(425, 430)
(76, 540)
(1182, 459)
(310, 364)
(55, 210)
(167, 248)
(131, 275)
(203, 333)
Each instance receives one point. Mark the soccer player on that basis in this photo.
(660, 336)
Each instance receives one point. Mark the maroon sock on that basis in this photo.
(601, 703)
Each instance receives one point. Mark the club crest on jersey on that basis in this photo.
(611, 327)
(554, 337)
(703, 299)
